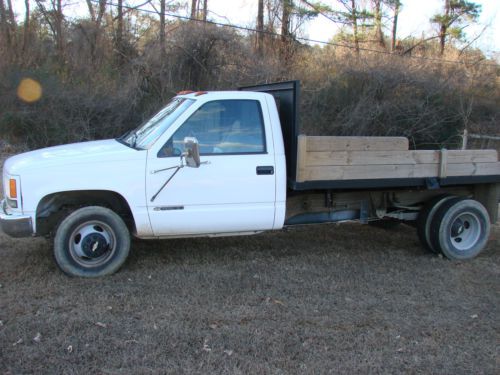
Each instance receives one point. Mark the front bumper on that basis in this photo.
(15, 225)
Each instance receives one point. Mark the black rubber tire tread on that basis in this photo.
(424, 219)
(444, 218)
(61, 252)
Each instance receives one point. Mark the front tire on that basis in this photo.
(460, 229)
(91, 242)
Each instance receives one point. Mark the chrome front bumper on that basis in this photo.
(14, 225)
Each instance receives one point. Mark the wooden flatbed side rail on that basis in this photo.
(318, 161)
(320, 143)
(326, 145)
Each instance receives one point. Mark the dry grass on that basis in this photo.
(320, 299)
(324, 299)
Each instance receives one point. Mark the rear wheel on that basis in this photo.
(425, 217)
(91, 242)
(460, 229)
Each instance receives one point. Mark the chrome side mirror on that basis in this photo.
(191, 152)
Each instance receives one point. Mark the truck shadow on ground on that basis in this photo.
(329, 242)
(346, 240)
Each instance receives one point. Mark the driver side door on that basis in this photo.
(233, 190)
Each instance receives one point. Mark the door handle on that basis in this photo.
(265, 170)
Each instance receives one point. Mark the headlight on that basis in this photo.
(12, 203)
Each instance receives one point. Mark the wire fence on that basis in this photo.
(480, 141)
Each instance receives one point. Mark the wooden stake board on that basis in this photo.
(351, 158)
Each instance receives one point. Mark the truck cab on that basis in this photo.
(239, 187)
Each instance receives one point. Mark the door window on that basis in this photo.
(221, 127)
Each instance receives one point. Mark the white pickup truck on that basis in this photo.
(232, 163)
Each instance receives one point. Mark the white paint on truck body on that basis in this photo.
(224, 195)
(97, 165)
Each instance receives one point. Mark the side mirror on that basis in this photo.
(191, 152)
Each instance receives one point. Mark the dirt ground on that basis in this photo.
(324, 299)
(321, 299)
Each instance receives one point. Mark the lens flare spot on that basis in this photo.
(29, 90)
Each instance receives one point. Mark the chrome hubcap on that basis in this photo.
(465, 231)
(92, 243)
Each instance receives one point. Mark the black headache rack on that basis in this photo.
(287, 95)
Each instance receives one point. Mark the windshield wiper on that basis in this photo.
(133, 141)
(128, 134)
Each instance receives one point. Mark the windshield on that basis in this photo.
(149, 131)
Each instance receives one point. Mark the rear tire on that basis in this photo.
(425, 217)
(460, 229)
(91, 242)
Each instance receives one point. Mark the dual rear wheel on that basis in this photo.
(457, 227)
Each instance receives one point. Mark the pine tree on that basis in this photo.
(456, 15)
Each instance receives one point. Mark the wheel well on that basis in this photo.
(55, 207)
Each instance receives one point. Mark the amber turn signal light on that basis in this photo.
(12, 188)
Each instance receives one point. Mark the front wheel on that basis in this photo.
(460, 229)
(91, 242)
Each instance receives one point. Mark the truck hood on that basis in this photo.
(72, 154)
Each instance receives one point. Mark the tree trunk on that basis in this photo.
(285, 47)
(379, 35)
(194, 6)
(95, 36)
(260, 27)
(96, 18)
(12, 18)
(100, 13)
(205, 10)
(91, 10)
(162, 29)
(58, 21)
(26, 35)
(12, 25)
(444, 27)
(285, 21)
(119, 32)
(354, 20)
(4, 26)
(395, 25)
